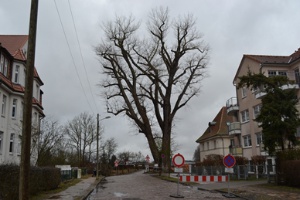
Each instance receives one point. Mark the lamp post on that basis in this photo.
(97, 165)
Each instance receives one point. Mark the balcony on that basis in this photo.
(260, 92)
(232, 105)
(234, 128)
(290, 86)
(236, 151)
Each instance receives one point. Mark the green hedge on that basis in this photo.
(41, 179)
(287, 167)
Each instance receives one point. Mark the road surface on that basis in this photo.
(140, 186)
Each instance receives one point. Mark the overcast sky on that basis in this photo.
(230, 27)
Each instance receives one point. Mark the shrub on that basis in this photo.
(212, 160)
(258, 160)
(240, 160)
(41, 179)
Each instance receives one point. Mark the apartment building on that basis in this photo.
(12, 86)
(245, 107)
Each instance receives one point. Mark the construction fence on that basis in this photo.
(240, 172)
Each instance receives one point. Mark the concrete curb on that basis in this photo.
(91, 188)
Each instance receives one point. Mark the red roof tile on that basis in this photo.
(14, 43)
(219, 128)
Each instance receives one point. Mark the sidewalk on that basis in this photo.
(77, 192)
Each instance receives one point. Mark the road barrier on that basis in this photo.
(187, 178)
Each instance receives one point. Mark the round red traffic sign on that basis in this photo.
(178, 160)
(229, 161)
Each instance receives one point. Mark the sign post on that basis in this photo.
(178, 161)
(229, 161)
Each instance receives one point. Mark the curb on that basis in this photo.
(91, 189)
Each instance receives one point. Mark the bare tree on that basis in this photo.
(81, 132)
(151, 79)
(50, 139)
(108, 148)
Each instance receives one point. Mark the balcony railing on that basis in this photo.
(232, 105)
(234, 128)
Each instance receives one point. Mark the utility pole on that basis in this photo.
(97, 167)
(27, 112)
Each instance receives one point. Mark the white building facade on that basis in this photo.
(12, 86)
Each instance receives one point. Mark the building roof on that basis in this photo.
(269, 59)
(218, 127)
(14, 45)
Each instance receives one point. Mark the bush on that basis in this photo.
(291, 172)
(212, 160)
(258, 160)
(287, 167)
(240, 160)
(41, 179)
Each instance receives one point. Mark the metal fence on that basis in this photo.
(239, 171)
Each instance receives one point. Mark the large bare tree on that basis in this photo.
(151, 78)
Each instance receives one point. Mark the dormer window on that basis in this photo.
(4, 65)
(16, 75)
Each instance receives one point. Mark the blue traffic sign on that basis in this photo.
(229, 161)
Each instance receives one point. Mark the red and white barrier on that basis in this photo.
(184, 178)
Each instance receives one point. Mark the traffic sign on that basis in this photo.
(147, 159)
(116, 163)
(229, 161)
(178, 160)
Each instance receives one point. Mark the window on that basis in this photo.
(35, 118)
(1, 139)
(16, 80)
(247, 141)
(258, 138)
(11, 143)
(21, 111)
(1, 63)
(5, 67)
(282, 73)
(37, 91)
(244, 92)
(271, 73)
(19, 147)
(276, 73)
(14, 108)
(245, 115)
(3, 107)
(232, 142)
(256, 110)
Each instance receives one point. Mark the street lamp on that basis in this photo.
(97, 166)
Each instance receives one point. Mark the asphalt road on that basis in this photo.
(140, 186)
